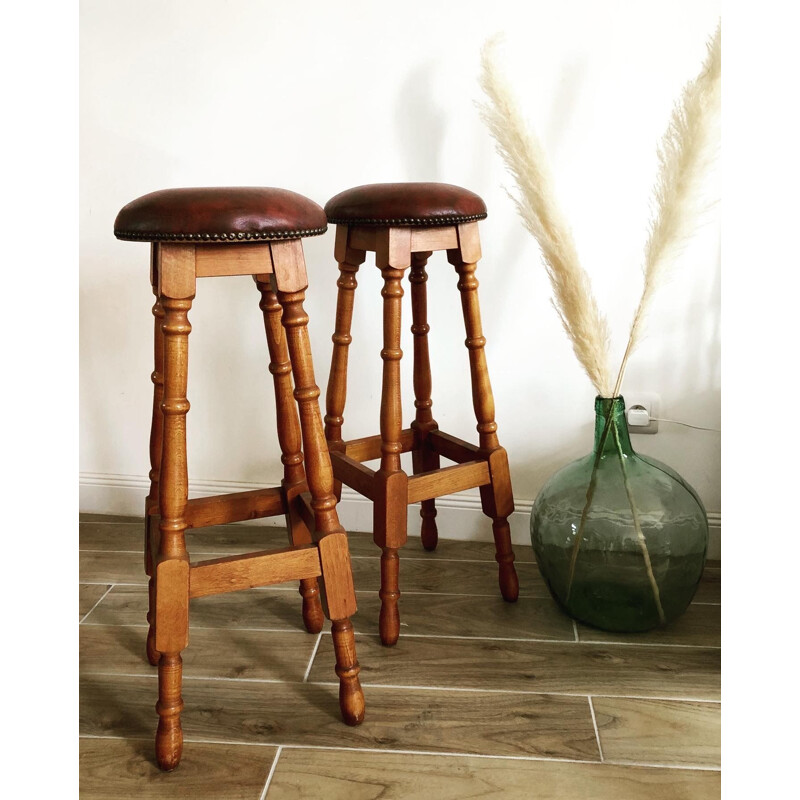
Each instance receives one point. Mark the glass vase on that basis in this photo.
(620, 538)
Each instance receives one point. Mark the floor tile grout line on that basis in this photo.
(232, 551)
(596, 729)
(96, 604)
(532, 640)
(359, 591)
(195, 627)
(464, 637)
(313, 656)
(551, 693)
(446, 754)
(271, 773)
(408, 687)
(612, 643)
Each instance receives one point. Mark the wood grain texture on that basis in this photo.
(89, 594)
(222, 259)
(214, 540)
(482, 617)
(658, 731)
(571, 668)
(423, 574)
(243, 537)
(458, 577)
(267, 608)
(218, 653)
(305, 714)
(124, 768)
(234, 507)
(446, 480)
(308, 775)
(235, 573)
(699, 625)
(349, 261)
(709, 590)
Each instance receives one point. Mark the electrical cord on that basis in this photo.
(685, 424)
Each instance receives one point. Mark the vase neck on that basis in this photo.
(611, 427)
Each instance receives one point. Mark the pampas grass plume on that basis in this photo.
(573, 299)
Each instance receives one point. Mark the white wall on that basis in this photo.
(316, 97)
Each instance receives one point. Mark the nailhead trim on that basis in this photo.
(135, 236)
(409, 221)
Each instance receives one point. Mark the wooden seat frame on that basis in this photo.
(390, 488)
(318, 544)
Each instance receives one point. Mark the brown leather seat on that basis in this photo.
(405, 204)
(233, 214)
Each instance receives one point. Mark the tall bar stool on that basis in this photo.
(198, 233)
(403, 223)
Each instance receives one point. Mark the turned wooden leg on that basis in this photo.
(337, 576)
(497, 500)
(172, 563)
(349, 262)
(156, 439)
(391, 495)
(351, 697)
(423, 456)
(289, 437)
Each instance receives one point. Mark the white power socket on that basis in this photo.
(641, 407)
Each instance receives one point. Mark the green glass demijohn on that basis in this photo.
(620, 538)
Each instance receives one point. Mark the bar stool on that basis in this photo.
(403, 223)
(198, 233)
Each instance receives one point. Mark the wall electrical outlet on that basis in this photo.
(642, 410)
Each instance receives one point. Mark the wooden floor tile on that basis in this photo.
(448, 577)
(699, 625)
(95, 566)
(306, 714)
(453, 615)
(453, 549)
(348, 775)
(128, 534)
(88, 595)
(125, 768)
(216, 539)
(270, 608)
(659, 731)
(649, 671)
(709, 589)
(212, 653)
(108, 518)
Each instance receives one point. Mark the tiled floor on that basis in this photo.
(480, 698)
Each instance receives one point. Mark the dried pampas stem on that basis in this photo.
(586, 327)
(686, 149)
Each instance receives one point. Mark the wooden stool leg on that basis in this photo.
(337, 576)
(496, 499)
(349, 262)
(294, 478)
(156, 439)
(391, 483)
(172, 564)
(423, 455)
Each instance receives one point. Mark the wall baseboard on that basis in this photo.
(459, 516)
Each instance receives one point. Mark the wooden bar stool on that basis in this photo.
(403, 223)
(198, 233)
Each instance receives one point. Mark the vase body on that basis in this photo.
(620, 538)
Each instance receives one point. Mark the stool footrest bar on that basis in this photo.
(369, 447)
(353, 473)
(234, 573)
(453, 448)
(235, 507)
(447, 480)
